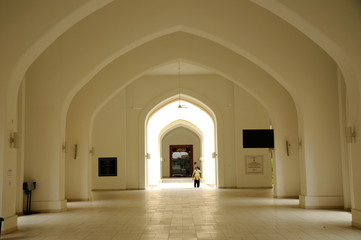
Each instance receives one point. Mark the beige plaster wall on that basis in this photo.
(249, 114)
(108, 138)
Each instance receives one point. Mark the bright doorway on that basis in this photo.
(170, 116)
(181, 160)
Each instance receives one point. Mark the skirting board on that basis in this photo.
(286, 196)
(77, 199)
(116, 189)
(335, 202)
(356, 218)
(242, 187)
(10, 224)
(49, 206)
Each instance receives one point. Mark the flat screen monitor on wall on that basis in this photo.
(258, 138)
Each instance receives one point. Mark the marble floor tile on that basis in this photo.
(181, 212)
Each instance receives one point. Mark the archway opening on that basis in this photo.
(171, 116)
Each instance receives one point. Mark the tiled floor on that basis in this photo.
(169, 212)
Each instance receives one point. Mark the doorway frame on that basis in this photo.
(171, 158)
(196, 99)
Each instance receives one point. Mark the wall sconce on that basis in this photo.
(214, 155)
(92, 151)
(64, 147)
(75, 151)
(14, 138)
(147, 156)
(288, 145)
(350, 134)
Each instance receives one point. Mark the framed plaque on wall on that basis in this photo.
(254, 164)
(107, 166)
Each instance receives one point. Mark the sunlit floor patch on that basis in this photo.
(179, 185)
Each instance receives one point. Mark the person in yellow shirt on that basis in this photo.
(196, 176)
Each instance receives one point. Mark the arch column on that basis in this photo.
(322, 185)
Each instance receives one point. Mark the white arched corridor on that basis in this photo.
(81, 80)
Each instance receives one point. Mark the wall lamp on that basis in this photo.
(350, 134)
(75, 153)
(288, 146)
(64, 147)
(92, 151)
(14, 138)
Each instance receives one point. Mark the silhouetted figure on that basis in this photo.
(196, 176)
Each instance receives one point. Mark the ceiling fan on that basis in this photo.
(179, 98)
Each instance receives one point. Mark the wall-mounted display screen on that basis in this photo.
(258, 138)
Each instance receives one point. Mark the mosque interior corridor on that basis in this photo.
(104, 103)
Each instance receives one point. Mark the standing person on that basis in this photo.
(196, 176)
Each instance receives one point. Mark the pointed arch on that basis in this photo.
(167, 117)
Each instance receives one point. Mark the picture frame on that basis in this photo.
(107, 166)
(254, 164)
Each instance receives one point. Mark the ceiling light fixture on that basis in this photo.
(179, 93)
